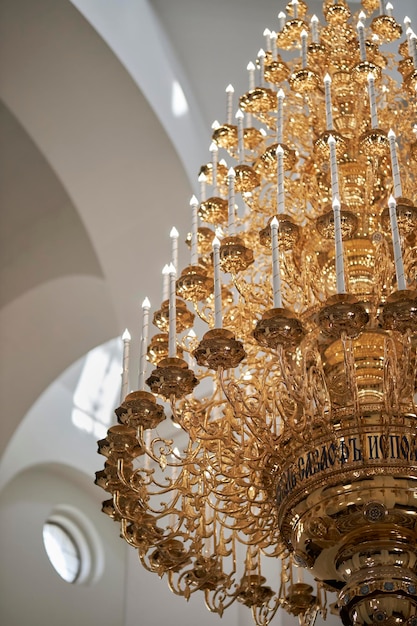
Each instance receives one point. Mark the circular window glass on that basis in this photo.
(73, 546)
(62, 550)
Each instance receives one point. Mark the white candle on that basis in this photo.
(398, 258)
(146, 305)
(125, 367)
(194, 230)
(214, 156)
(231, 176)
(251, 69)
(361, 35)
(413, 45)
(280, 115)
(218, 322)
(172, 338)
(174, 234)
(295, 8)
(274, 45)
(314, 22)
(281, 19)
(381, 7)
(394, 165)
(328, 100)
(261, 58)
(372, 100)
(304, 36)
(267, 35)
(280, 185)
(165, 283)
(202, 179)
(229, 103)
(331, 142)
(215, 125)
(340, 270)
(389, 9)
(240, 137)
(276, 272)
(409, 32)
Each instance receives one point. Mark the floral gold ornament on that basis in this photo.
(298, 315)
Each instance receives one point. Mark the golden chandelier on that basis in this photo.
(301, 438)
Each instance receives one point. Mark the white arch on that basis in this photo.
(115, 161)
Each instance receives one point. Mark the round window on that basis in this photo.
(72, 546)
(62, 551)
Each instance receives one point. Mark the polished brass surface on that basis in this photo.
(300, 444)
(172, 377)
(184, 318)
(194, 284)
(234, 255)
(289, 232)
(219, 348)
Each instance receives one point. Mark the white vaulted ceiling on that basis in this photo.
(96, 166)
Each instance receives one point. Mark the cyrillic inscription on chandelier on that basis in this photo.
(349, 450)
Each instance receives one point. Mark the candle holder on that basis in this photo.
(279, 327)
(304, 81)
(108, 508)
(214, 210)
(289, 232)
(170, 555)
(348, 219)
(226, 137)
(374, 143)
(253, 139)
(219, 348)
(386, 27)
(158, 348)
(139, 409)
(399, 313)
(406, 217)
(342, 315)
(267, 164)
(337, 13)
(317, 53)
(370, 5)
(207, 170)
(194, 284)
(290, 33)
(204, 238)
(246, 178)
(361, 70)
(121, 443)
(302, 9)
(321, 145)
(276, 70)
(252, 591)
(184, 317)
(172, 378)
(109, 479)
(234, 255)
(260, 102)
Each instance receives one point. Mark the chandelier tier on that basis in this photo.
(297, 403)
